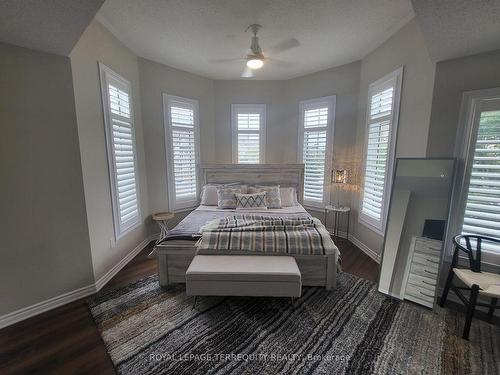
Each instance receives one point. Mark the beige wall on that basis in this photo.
(406, 48)
(453, 78)
(157, 79)
(44, 242)
(97, 44)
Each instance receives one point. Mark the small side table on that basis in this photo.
(338, 212)
(162, 219)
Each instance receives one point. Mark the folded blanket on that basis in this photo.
(255, 233)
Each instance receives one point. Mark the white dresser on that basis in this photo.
(421, 274)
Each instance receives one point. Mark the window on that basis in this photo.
(381, 127)
(119, 123)
(315, 148)
(249, 133)
(182, 144)
(480, 193)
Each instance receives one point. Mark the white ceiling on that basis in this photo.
(47, 25)
(455, 28)
(190, 34)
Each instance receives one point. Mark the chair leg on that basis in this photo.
(447, 287)
(492, 309)
(470, 310)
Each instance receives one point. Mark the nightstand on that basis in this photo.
(162, 219)
(338, 213)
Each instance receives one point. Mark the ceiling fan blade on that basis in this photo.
(284, 64)
(224, 60)
(284, 46)
(247, 73)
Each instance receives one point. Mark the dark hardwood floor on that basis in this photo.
(66, 341)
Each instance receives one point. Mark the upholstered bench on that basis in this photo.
(243, 275)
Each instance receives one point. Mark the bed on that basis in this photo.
(176, 252)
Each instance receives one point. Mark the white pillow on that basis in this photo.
(288, 197)
(209, 193)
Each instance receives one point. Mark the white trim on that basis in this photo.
(331, 103)
(71, 296)
(248, 108)
(394, 78)
(173, 204)
(365, 249)
(471, 107)
(103, 280)
(105, 74)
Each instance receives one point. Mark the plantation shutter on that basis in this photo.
(184, 152)
(121, 150)
(377, 152)
(248, 133)
(248, 137)
(314, 153)
(381, 128)
(315, 148)
(482, 212)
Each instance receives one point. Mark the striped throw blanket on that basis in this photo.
(298, 235)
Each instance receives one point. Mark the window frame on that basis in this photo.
(245, 108)
(473, 103)
(173, 204)
(331, 103)
(394, 78)
(106, 75)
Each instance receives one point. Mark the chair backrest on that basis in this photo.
(472, 248)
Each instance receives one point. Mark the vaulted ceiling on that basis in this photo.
(193, 34)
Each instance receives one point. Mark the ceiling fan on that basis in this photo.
(255, 58)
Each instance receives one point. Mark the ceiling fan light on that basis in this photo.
(255, 63)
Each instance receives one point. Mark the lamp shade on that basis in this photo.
(340, 176)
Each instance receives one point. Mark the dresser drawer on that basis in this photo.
(421, 294)
(424, 270)
(422, 282)
(428, 261)
(433, 245)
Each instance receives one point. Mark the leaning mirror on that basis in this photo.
(415, 230)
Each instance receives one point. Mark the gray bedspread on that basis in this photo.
(189, 227)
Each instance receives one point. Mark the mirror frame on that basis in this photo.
(450, 197)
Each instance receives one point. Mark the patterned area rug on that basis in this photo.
(352, 330)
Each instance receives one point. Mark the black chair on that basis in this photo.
(476, 281)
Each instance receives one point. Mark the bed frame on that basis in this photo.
(175, 256)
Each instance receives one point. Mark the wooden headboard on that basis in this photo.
(285, 175)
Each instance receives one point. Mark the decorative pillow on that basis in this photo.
(273, 196)
(209, 193)
(226, 197)
(288, 197)
(248, 201)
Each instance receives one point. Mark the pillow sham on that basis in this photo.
(249, 201)
(226, 197)
(273, 197)
(288, 197)
(209, 193)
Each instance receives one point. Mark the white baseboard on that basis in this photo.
(74, 295)
(122, 263)
(43, 306)
(365, 249)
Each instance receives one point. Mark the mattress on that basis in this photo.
(189, 227)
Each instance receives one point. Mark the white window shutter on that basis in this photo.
(182, 120)
(315, 148)
(382, 114)
(248, 124)
(482, 212)
(118, 114)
